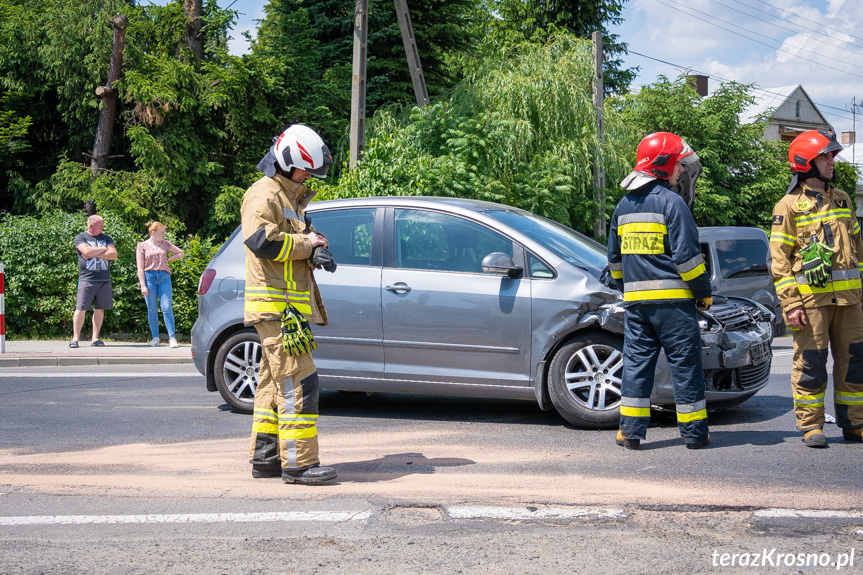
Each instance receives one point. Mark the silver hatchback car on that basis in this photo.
(456, 297)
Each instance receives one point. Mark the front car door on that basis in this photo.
(445, 321)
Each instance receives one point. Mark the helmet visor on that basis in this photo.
(688, 155)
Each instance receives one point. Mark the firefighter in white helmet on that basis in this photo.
(281, 298)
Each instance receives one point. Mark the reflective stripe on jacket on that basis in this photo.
(277, 252)
(653, 248)
(796, 217)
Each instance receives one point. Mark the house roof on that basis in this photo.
(767, 99)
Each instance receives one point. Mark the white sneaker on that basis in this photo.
(153, 342)
(174, 343)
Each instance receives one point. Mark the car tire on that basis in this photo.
(584, 381)
(236, 369)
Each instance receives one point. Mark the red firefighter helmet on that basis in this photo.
(658, 153)
(808, 146)
(805, 148)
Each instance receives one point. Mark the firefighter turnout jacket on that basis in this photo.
(829, 216)
(653, 248)
(278, 269)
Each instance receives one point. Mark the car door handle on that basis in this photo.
(399, 288)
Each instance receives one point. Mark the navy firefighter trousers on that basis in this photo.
(674, 328)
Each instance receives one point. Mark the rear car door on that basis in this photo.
(351, 347)
(446, 321)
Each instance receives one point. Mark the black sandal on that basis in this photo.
(73, 344)
(98, 343)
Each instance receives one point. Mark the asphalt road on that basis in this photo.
(133, 469)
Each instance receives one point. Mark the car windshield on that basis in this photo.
(742, 258)
(562, 241)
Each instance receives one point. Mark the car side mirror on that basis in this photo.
(499, 263)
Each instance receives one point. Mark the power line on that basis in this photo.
(777, 8)
(824, 40)
(679, 6)
(691, 69)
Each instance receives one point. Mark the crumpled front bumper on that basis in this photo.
(736, 365)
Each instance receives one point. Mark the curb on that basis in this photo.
(72, 361)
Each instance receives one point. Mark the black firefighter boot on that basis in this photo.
(311, 475)
(260, 470)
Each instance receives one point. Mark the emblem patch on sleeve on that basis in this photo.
(777, 220)
(842, 203)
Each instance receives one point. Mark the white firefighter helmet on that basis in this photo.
(297, 147)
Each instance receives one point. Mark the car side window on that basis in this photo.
(429, 240)
(537, 268)
(349, 233)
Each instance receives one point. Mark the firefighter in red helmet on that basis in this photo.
(817, 254)
(655, 257)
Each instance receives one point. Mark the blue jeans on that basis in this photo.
(159, 292)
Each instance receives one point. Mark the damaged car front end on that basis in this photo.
(581, 365)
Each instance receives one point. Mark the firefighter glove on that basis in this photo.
(816, 263)
(323, 258)
(704, 304)
(297, 337)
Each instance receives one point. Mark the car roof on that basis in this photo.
(425, 201)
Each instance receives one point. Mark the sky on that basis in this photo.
(772, 43)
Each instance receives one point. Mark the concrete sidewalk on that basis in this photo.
(58, 352)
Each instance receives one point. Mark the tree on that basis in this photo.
(520, 130)
(52, 56)
(744, 175)
(535, 20)
(312, 43)
(189, 133)
(847, 176)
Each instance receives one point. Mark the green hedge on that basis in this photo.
(41, 268)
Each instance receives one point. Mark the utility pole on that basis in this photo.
(358, 83)
(358, 86)
(855, 107)
(412, 53)
(858, 193)
(599, 155)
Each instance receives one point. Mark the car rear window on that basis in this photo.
(738, 258)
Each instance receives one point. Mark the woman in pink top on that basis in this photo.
(154, 274)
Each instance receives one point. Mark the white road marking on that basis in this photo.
(97, 374)
(806, 514)
(187, 518)
(453, 511)
(783, 352)
(521, 513)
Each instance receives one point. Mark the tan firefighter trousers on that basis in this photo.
(840, 327)
(284, 424)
